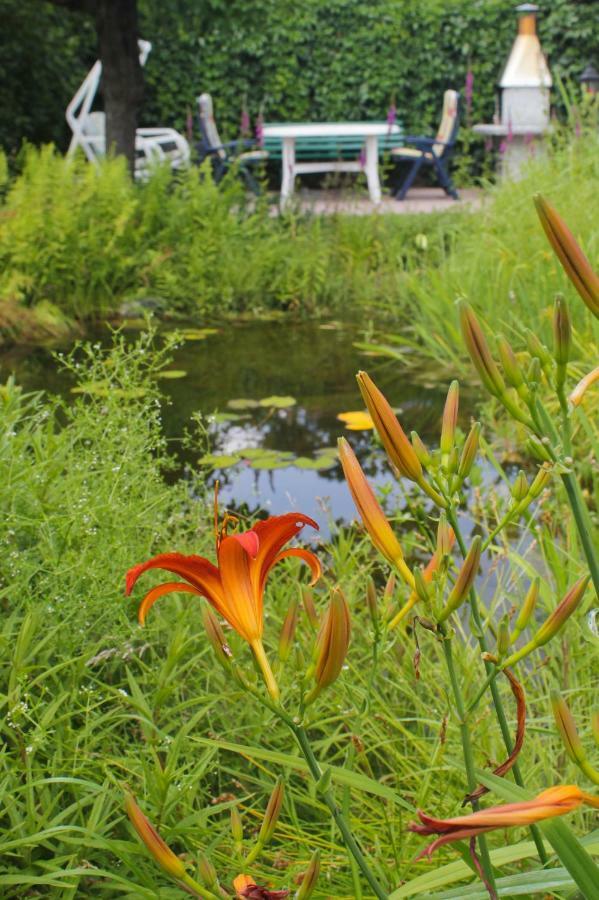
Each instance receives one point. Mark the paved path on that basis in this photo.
(419, 200)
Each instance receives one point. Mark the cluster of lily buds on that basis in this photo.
(331, 646)
(554, 622)
(570, 737)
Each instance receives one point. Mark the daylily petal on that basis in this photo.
(273, 533)
(199, 572)
(243, 605)
(306, 556)
(250, 542)
(152, 596)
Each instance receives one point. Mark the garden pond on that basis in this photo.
(270, 394)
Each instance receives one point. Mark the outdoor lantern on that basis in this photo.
(590, 79)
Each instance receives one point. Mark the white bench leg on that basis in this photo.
(287, 169)
(372, 168)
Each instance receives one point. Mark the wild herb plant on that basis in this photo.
(437, 593)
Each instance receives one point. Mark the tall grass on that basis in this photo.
(89, 702)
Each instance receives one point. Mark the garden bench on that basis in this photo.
(305, 148)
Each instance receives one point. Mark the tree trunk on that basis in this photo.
(122, 78)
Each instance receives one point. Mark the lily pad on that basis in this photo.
(321, 462)
(225, 416)
(173, 373)
(219, 461)
(326, 451)
(242, 403)
(197, 334)
(278, 402)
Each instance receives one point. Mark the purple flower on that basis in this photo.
(362, 157)
(468, 88)
(245, 125)
(392, 114)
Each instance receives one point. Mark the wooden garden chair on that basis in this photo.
(433, 152)
(244, 153)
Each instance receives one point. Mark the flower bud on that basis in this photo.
(450, 418)
(513, 372)
(537, 449)
(576, 265)
(533, 373)
(271, 815)
(465, 579)
(503, 637)
(308, 884)
(420, 449)
(554, 622)
(371, 512)
(528, 607)
(445, 537)
(394, 440)
(469, 451)
(561, 331)
(583, 385)
(421, 586)
(324, 782)
(207, 872)
(520, 487)
(332, 643)
(161, 852)
(539, 351)
(478, 349)
(236, 825)
(308, 601)
(541, 480)
(216, 637)
(389, 588)
(567, 728)
(288, 630)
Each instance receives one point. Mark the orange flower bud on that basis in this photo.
(445, 537)
(478, 349)
(576, 265)
(308, 601)
(288, 630)
(394, 440)
(583, 385)
(465, 579)
(450, 418)
(528, 607)
(331, 644)
(161, 852)
(308, 883)
(567, 728)
(554, 622)
(469, 451)
(374, 519)
(272, 813)
(561, 331)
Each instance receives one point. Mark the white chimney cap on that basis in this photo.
(526, 65)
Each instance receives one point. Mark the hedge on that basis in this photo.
(294, 59)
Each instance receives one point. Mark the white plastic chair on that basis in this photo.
(152, 145)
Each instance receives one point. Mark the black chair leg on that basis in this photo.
(408, 180)
(445, 180)
(250, 181)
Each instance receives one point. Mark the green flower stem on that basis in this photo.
(336, 812)
(583, 524)
(468, 754)
(497, 702)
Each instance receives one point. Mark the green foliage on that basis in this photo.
(85, 239)
(297, 61)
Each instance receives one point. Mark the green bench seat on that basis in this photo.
(322, 148)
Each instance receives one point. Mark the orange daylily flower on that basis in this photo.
(247, 889)
(556, 801)
(234, 587)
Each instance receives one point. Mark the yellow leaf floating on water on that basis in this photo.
(359, 420)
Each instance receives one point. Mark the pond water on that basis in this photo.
(277, 388)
